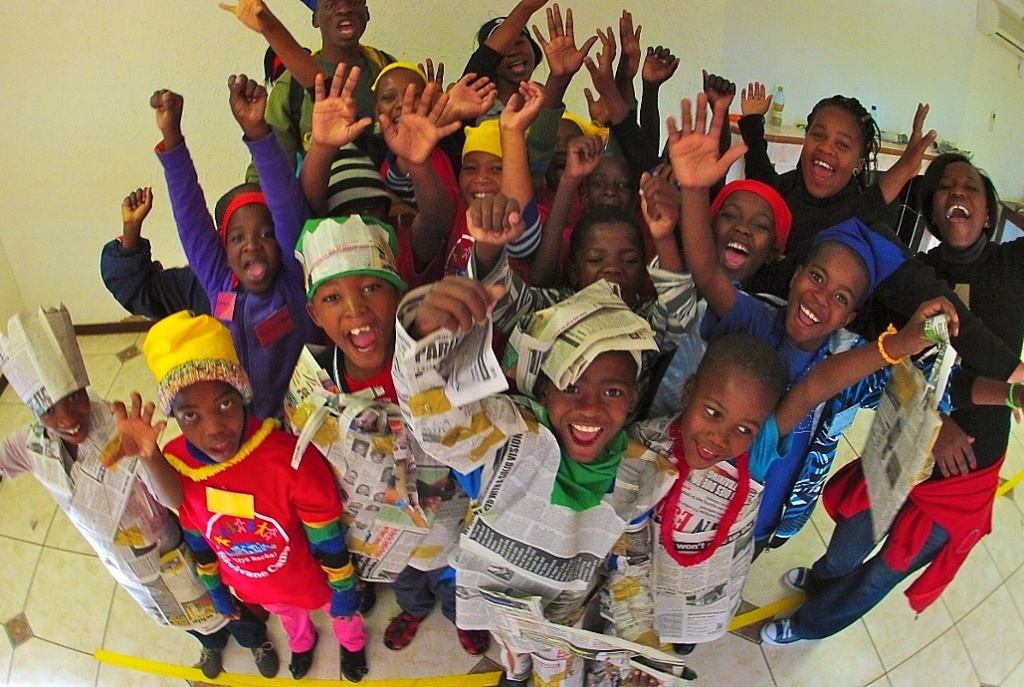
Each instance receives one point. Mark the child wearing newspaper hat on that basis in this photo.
(263, 518)
(354, 288)
(69, 449)
(553, 477)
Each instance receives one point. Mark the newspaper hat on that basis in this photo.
(41, 359)
(881, 256)
(485, 138)
(340, 246)
(783, 216)
(561, 341)
(184, 349)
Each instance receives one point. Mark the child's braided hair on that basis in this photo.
(871, 135)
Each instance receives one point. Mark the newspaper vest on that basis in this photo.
(135, 537)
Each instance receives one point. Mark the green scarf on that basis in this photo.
(581, 486)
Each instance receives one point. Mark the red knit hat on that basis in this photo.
(783, 217)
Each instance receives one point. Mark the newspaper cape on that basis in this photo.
(401, 507)
(898, 452)
(522, 624)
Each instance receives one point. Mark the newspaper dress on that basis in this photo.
(135, 537)
(516, 540)
(653, 599)
(402, 508)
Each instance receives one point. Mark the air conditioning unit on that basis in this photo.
(1003, 20)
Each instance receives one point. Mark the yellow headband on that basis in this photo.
(399, 65)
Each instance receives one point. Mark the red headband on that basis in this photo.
(783, 217)
(247, 198)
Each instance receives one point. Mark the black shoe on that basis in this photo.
(367, 597)
(211, 662)
(683, 649)
(302, 661)
(353, 664)
(266, 659)
(506, 681)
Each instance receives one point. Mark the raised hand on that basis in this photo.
(596, 107)
(456, 304)
(919, 142)
(252, 13)
(168, 107)
(494, 220)
(718, 88)
(417, 132)
(582, 156)
(659, 202)
(754, 100)
(248, 100)
(334, 121)
(136, 206)
(604, 80)
(629, 63)
(469, 98)
(911, 339)
(140, 436)
(522, 108)
(693, 149)
(563, 57)
(428, 69)
(659, 66)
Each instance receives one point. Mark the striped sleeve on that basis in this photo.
(527, 244)
(209, 572)
(327, 542)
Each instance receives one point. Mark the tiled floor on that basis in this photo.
(973, 636)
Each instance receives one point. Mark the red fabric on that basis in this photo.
(382, 379)
(783, 216)
(241, 200)
(266, 559)
(960, 505)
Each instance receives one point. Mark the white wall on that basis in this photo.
(78, 133)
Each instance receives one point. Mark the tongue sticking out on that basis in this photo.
(256, 271)
(364, 340)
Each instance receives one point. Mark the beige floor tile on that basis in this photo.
(1014, 462)
(133, 375)
(898, 633)
(881, 682)
(6, 656)
(1016, 678)
(1005, 543)
(19, 564)
(132, 632)
(38, 663)
(106, 343)
(730, 660)
(975, 580)
(994, 637)
(65, 536)
(102, 371)
(70, 586)
(857, 435)
(14, 416)
(9, 396)
(115, 676)
(943, 662)
(1015, 585)
(846, 660)
(762, 586)
(27, 509)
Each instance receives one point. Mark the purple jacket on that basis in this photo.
(269, 329)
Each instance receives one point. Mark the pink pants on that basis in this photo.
(301, 635)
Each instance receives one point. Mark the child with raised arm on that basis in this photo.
(556, 455)
(263, 518)
(245, 261)
(140, 285)
(354, 288)
(70, 449)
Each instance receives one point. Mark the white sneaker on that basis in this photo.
(796, 579)
(779, 633)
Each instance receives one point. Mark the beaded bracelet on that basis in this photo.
(881, 345)
(1010, 403)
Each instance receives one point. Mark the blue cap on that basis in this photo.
(881, 255)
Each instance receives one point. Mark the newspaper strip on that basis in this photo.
(898, 452)
(696, 604)
(391, 502)
(523, 626)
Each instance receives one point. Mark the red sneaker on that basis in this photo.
(475, 642)
(401, 630)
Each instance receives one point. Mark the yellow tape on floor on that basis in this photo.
(169, 670)
(1010, 484)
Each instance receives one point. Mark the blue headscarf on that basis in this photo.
(881, 255)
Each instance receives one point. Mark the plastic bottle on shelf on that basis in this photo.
(778, 102)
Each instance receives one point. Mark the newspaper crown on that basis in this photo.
(561, 341)
(336, 247)
(41, 359)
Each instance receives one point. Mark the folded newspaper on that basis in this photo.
(898, 452)
(521, 620)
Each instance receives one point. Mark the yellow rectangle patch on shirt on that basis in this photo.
(230, 503)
